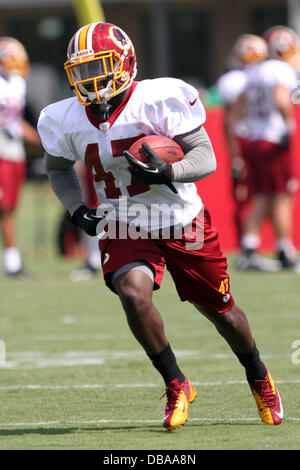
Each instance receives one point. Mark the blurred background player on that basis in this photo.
(267, 111)
(247, 49)
(14, 130)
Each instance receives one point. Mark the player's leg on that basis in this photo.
(234, 327)
(200, 276)
(133, 281)
(8, 227)
(258, 155)
(12, 175)
(282, 222)
(242, 190)
(250, 240)
(284, 186)
(261, 208)
(135, 289)
(11, 255)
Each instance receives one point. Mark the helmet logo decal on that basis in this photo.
(119, 38)
(82, 53)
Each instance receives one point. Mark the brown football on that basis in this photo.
(164, 147)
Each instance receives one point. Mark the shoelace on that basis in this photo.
(172, 397)
(266, 393)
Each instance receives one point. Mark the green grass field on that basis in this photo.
(75, 378)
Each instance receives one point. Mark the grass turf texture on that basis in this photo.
(75, 378)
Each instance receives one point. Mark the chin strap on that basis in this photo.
(101, 110)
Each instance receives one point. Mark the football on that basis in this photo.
(164, 147)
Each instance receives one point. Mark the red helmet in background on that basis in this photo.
(283, 43)
(248, 48)
(13, 56)
(101, 62)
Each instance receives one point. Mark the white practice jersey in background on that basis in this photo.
(12, 102)
(262, 119)
(163, 106)
(230, 85)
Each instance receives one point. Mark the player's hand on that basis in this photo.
(285, 140)
(87, 219)
(155, 171)
(238, 169)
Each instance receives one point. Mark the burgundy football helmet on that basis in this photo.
(283, 44)
(13, 56)
(101, 62)
(247, 49)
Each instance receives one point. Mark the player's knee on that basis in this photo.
(133, 301)
(234, 317)
(134, 298)
(134, 289)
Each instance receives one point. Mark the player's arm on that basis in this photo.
(199, 159)
(231, 118)
(30, 134)
(283, 102)
(65, 183)
(233, 114)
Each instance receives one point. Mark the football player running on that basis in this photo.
(110, 111)
(247, 49)
(267, 110)
(14, 130)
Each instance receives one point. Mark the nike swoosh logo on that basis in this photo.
(106, 258)
(152, 171)
(280, 413)
(193, 102)
(94, 217)
(146, 167)
(87, 218)
(165, 418)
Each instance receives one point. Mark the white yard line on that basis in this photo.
(40, 387)
(5, 388)
(45, 359)
(209, 332)
(131, 421)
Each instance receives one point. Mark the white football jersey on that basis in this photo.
(163, 106)
(12, 102)
(262, 119)
(230, 85)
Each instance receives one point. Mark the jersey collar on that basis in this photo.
(113, 117)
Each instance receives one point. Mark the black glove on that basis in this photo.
(285, 141)
(155, 171)
(238, 169)
(87, 219)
